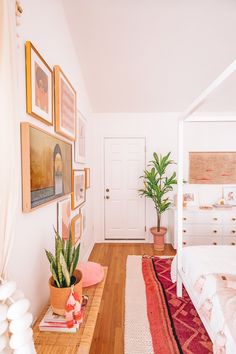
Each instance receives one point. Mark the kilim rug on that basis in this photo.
(174, 323)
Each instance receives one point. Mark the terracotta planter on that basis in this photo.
(59, 296)
(158, 237)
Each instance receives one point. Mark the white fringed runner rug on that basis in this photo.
(156, 321)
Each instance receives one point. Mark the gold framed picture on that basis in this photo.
(87, 177)
(80, 140)
(65, 105)
(78, 188)
(39, 86)
(63, 218)
(76, 228)
(46, 167)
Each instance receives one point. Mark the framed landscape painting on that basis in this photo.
(78, 188)
(80, 148)
(63, 218)
(46, 167)
(65, 105)
(76, 228)
(39, 86)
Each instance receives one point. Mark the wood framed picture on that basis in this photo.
(76, 228)
(87, 177)
(46, 167)
(83, 212)
(63, 218)
(39, 86)
(78, 188)
(80, 146)
(65, 105)
(229, 193)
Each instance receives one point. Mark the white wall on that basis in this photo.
(160, 131)
(44, 24)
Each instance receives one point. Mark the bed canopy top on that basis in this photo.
(190, 116)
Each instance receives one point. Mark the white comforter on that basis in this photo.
(206, 262)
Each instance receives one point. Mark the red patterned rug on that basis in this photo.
(174, 323)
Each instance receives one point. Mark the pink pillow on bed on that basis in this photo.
(92, 273)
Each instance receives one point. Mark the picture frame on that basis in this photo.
(46, 167)
(65, 105)
(190, 196)
(64, 218)
(83, 212)
(78, 188)
(76, 228)
(39, 86)
(80, 141)
(87, 177)
(229, 194)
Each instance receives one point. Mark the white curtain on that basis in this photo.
(9, 132)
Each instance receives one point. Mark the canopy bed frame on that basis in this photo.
(184, 118)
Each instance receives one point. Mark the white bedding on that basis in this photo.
(207, 261)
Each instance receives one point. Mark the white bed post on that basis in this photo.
(180, 206)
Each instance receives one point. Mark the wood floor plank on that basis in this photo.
(109, 332)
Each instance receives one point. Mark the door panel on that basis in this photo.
(124, 209)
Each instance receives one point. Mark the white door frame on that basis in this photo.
(104, 137)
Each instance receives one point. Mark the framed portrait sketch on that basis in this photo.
(63, 218)
(46, 167)
(80, 146)
(230, 194)
(76, 228)
(78, 188)
(87, 177)
(39, 86)
(65, 105)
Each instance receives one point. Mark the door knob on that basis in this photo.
(107, 197)
(107, 190)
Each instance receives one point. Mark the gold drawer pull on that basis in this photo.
(215, 231)
(233, 219)
(233, 243)
(233, 231)
(215, 219)
(184, 231)
(214, 243)
(184, 243)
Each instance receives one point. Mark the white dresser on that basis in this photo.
(204, 227)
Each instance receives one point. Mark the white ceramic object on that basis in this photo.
(18, 340)
(26, 349)
(7, 290)
(3, 312)
(3, 342)
(3, 327)
(18, 309)
(21, 324)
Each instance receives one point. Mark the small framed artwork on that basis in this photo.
(46, 167)
(39, 86)
(63, 218)
(80, 148)
(65, 105)
(229, 193)
(87, 177)
(190, 196)
(83, 211)
(76, 228)
(78, 188)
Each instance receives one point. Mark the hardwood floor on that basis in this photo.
(109, 333)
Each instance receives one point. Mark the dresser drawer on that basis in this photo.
(202, 230)
(194, 241)
(230, 218)
(229, 230)
(202, 218)
(229, 241)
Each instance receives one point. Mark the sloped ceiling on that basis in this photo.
(152, 55)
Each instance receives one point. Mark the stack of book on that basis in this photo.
(52, 322)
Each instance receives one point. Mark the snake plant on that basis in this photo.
(64, 262)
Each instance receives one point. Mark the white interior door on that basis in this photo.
(124, 209)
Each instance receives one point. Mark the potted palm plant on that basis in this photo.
(156, 187)
(64, 273)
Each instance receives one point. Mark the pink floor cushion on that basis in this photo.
(92, 272)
